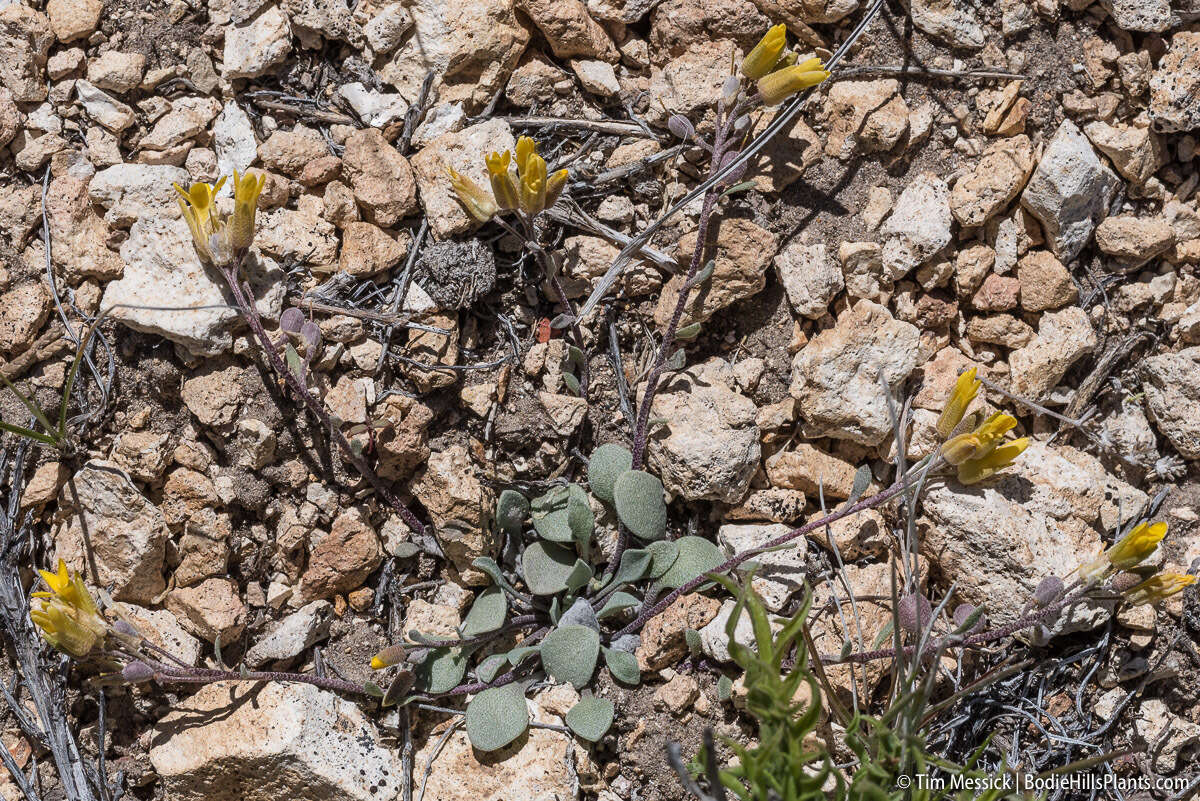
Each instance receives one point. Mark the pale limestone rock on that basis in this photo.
(460, 151)
(289, 637)
(1069, 192)
(110, 527)
(1172, 385)
(255, 47)
(461, 508)
(836, 377)
(709, 448)
(236, 741)
(809, 276)
(161, 628)
(1175, 85)
(781, 572)
(955, 22)
(1063, 338)
(919, 227)
(998, 177)
(210, 610)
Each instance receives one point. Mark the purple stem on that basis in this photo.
(169, 673)
(250, 314)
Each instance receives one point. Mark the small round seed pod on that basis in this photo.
(1124, 581)
(914, 612)
(137, 672)
(964, 611)
(1049, 590)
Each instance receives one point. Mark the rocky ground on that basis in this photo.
(1009, 186)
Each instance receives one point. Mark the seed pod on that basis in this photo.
(1124, 581)
(914, 613)
(137, 672)
(962, 613)
(681, 126)
(729, 90)
(1049, 590)
(392, 655)
(311, 334)
(291, 320)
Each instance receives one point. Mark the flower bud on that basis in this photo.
(1049, 590)
(392, 655)
(778, 86)
(137, 672)
(962, 613)
(681, 126)
(761, 59)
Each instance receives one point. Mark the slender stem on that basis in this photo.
(169, 673)
(516, 623)
(250, 314)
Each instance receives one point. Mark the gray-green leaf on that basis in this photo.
(546, 567)
(569, 654)
(623, 666)
(511, 510)
(442, 670)
(619, 602)
(496, 717)
(607, 463)
(487, 613)
(696, 557)
(591, 718)
(664, 554)
(638, 497)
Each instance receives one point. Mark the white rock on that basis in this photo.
(715, 642)
(597, 77)
(1063, 338)
(1175, 85)
(709, 449)
(537, 766)
(233, 141)
(1070, 191)
(375, 108)
(387, 28)
(919, 227)
(162, 628)
(237, 741)
(1172, 385)
(132, 191)
(112, 528)
(459, 151)
(809, 276)
(781, 573)
(103, 107)
(1163, 735)
(954, 21)
(440, 119)
(836, 377)
(254, 47)
(161, 269)
(1145, 16)
(289, 637)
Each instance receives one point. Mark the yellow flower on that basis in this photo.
(965, 390)
(503, 188)
(1133, 549)
(997, 458)
(525, 148)
(478, 203)
(197, 203)
(1157, 588)
(775, 87)
(763, 57)
(246, 189)
(554, 187)
(980, 442)
(67, 615)
(533, 184)
(392, 655)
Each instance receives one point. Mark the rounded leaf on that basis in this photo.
(442, 670)
(608, 462)
(496, 717)
(580, 519)
(591, 718)
(511, 510)
(569, 654)
(696, 557)
(638, 497)
(291, 320)
(623, 666)
(546, 567)
(663, 554)
(487, 613)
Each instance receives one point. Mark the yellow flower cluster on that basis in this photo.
(982, 452)
(67, 615)
(1159, 587)
(219, 238)
(777, 74)
(532, 193)
(1128, 553)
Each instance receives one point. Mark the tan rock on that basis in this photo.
(867, 115)
(209, 610)
(43, 485)
(161, 628)
(811, 471)
(367, 249)
(74, 19)
(214, 394)
(1000, 329)
(677, 695)
(428, 347)
(432, 620)
(570, 30)
(381, 178)
(1063, 338)
(1135, 151)
(690, 83)
(863, 534)
(997, 179)
(23, 310)
(80, 235)
(675, 25)
(1045, 282)
(461, 507)
(289, 152)
(663, 641)
(343, 558)
(464, 152)
(773, 504)
(402, 443)
(1134, 240)
(998, 293)
(742, 252)
(117, 71)
(142, 454)
(836, 377)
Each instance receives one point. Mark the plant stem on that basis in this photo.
(250, 315)
(169, 673)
